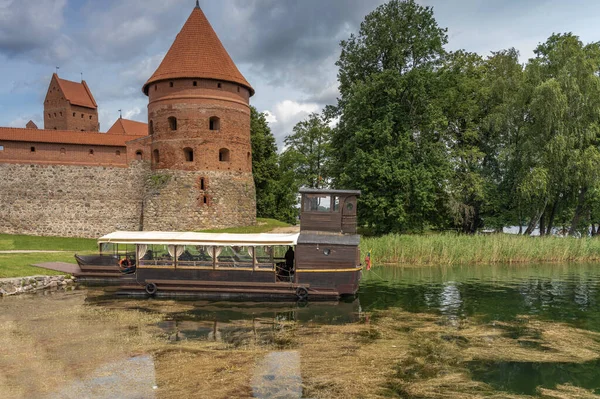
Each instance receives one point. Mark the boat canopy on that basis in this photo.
(189, 238)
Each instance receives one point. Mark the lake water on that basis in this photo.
(520, 331)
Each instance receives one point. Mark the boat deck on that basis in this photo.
(70, 268)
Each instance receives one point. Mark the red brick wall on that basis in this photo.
(193, 106)
(73, 154)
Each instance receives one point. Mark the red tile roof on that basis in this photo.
(77, 93)
(64, 137)
(126, 126)
(198, 53)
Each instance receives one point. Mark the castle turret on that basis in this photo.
(199, 122)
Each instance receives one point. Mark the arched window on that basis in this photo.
(172, 123)
(214, 123)
(138, 155)
(151, 128)
(91, 152)
(189, 154)
(224, 155)
(156, 156)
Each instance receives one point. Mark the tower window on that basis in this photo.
(215, 123)
(172, 123)
(91, 152)
(32, 149)
(49, 116)
(170, 84)
(90, 117)
(1, 148)
(118, 153)
(219, 85)
(238, 89)
(202, 184)
(156, 156)
(155, 87)
(63, 151)
(55, 114)
(195, 83)
(189, 154)
(224, 155)
(138, 155)
(60, 113)
(151, 127)
(204, 199)
(73, 114)
(81, 116)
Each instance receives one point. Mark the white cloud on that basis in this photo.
(286, 114)
(270, 117)
(22, 120)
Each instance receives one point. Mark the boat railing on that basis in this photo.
(265, 264)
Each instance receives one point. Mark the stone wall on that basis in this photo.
(22, 285)
(191, 201)
(88, 201)
(71, 201)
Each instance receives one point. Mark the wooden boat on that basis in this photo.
(320, 262)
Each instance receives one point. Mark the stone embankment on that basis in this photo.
(22, 285)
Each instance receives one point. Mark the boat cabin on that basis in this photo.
(322, 261)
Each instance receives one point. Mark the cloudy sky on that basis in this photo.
(285, 48)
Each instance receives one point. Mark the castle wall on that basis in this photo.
(71, 201)
(66, 154)
(190, 201)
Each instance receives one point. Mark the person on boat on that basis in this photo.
(126, 266)
(289, 260)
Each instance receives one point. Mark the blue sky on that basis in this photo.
(285, 48)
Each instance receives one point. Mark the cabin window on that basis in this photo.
(156, 156)
(214, 123)
(91, 152)
(32, 149)
(63, 151)
(151, 127)
(336, 204)
(327, 252)
(138, 155)
(189, 154)
(172, 123)
(317, 203)
(224, 155)
(350, 206)
(118, 153)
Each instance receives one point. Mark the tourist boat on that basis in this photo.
(322, 261)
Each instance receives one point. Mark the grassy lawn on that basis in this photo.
(21, 242)
(262, 226)
(19, 265)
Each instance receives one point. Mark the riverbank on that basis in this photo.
(25, 285)
(452, 249)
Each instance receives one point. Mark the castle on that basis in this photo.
(188, 168)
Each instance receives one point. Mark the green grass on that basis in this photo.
(262, 226)
(19, 265)
(22, 242)
(452, 249)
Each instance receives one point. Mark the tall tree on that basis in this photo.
(389, 139)
(275, 190)
(308, 151)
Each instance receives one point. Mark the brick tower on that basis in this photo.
(70, 106)
(199, 123)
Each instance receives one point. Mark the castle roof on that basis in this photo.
(129, 127)
(65, 137)
(77, 93)
(198, 53)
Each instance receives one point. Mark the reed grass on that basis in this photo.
(452, 249)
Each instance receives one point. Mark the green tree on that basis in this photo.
(275, 193)
(308, 151)
(389, 141)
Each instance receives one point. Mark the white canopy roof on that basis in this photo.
(216, 239)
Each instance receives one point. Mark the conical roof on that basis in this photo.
(198, 53)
